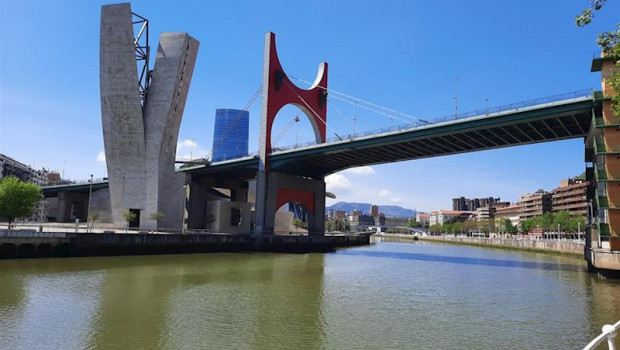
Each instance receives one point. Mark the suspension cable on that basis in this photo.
(331, 91)
(311, 110)
(288, 126)
(389, 116)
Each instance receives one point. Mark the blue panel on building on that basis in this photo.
(230, 135)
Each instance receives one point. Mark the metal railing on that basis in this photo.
(479, 112)
(609, 334)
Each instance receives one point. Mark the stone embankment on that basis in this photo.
(570, 247)
(32, 244)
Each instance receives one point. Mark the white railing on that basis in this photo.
(609, 333)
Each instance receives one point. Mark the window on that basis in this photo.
(235, 217)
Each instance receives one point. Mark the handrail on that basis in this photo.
(609, 333)
(479, 112)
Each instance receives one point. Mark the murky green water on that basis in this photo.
(386, 296)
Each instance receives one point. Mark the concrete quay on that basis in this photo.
(32, 244)
(604, 261)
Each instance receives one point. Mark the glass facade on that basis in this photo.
(230, 135)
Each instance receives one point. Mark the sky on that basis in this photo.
(410, 56)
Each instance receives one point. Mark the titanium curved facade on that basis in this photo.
(230, 135)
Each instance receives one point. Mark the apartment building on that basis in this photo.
(534, 204)
(570, 196)
(12, 167)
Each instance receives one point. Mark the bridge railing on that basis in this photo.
(609, 334)
(463, 115)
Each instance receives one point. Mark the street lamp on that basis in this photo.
(90, 191)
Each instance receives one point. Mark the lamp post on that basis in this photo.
(90, 191)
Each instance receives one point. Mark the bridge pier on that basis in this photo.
(217, 204)
(275, 189)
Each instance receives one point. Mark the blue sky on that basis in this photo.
(404, 55)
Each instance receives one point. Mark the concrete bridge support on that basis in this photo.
(276, 189)
(219, 205)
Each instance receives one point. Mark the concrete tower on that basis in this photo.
(141, 115)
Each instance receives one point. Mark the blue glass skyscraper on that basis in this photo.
(230, 135)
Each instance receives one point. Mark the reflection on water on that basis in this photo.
(471, 261)
(386, 296)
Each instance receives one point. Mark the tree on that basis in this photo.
(610, 44)
(129, 216)
(298, 223)
(561, 219)
(93, 216)
(158, 216)
(411, 222)
(17, 198)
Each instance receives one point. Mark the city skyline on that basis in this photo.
(416, 58)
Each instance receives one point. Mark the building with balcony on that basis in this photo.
(534, 204)
(570, 196)
(603, 150)
(12, 167)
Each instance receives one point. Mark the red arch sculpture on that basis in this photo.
(286, 195)
(279, 91)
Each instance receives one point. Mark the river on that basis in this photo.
(385, 296)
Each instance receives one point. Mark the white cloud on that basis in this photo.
(366, 170)
(384, 193)
(189, 149)
(396, 200)
(101, 157)
(187, 144)
(338, 184)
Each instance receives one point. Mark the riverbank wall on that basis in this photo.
(566, 247)
(32, 244)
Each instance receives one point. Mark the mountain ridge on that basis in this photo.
(389, 211)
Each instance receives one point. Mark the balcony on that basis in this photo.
(602, 202)
(600, 148)
(603, 230)
(602, 175)
(601, 122)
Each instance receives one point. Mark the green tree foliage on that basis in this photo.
(412, 223)
(129, 216)
(298, 223)
(17, 198)
(436, 228)
(561, 219)
(610, 44)
(158, 216)
(93, 216)
(508, 227)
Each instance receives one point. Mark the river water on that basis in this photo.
(383, 296)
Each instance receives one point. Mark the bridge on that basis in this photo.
(553, 118)
(296, 174)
